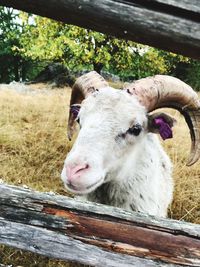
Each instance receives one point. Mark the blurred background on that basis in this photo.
(29, 44)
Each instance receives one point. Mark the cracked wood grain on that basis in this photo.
(94, 234)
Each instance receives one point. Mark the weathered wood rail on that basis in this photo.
(98, 235)
(172, 25)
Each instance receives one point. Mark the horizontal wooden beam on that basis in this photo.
(185, 5)
(93, 234)
(171, 25)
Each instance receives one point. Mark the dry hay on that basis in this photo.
(33, 146)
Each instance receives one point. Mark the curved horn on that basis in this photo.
(165, 91)
(84, 85)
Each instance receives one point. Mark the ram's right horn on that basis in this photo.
(165, 91)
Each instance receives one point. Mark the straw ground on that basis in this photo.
(33, 145)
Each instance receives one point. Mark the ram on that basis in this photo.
(117, 158)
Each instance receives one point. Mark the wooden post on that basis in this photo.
(93, 234)
(172, 25)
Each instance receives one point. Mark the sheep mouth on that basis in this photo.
(84, 190)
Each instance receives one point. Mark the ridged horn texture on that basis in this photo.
(162, 91)
(84, 85)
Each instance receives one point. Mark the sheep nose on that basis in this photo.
(75, 171)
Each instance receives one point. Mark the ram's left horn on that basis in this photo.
(84, 85)
(165, 91)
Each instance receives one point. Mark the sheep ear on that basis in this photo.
(74, 109)
(161, 123)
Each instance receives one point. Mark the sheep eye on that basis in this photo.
(135, 130)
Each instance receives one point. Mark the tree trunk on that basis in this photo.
(16, 66)
(98, 67)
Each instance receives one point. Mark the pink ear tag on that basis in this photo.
(74, 109)
(164, 128)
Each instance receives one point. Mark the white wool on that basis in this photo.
(131, 172)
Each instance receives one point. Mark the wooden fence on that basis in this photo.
(98, 235)
(172, 25)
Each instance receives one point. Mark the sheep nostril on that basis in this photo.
(72, 172)
(82, 168)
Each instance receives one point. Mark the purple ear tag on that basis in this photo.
(164, 128)
(74, 109)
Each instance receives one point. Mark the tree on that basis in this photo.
(12, 64)
(8, 37)
(80, 48)
(193, 74)
(29, 43)
(184, 68)
(141, 62)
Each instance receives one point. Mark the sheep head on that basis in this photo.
(113, 122)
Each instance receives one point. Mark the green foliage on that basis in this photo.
(193, 74)
(143, 61)
(8, 37)
(184, 68)
(80, 48)
(13, 65)
(29, 43)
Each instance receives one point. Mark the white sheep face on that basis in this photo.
(112, 123)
